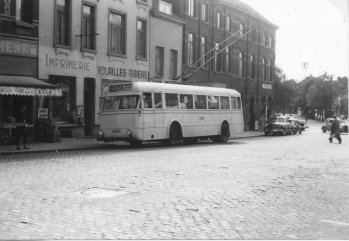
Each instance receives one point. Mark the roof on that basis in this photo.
(244, 7)
(177, 88)
(23, 81)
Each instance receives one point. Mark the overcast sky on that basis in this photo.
(311, 31)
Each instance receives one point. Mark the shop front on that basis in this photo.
(16, 91)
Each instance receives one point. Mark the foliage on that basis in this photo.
(321, 94)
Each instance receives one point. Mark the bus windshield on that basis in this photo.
(122, 102)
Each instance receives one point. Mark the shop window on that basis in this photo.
(63, 108)
(117, 36)
(62, 22)
(141, 39)
(88, 27)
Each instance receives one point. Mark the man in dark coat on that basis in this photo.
(335, 130)
(21, 129)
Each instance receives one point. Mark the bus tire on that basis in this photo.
(225, 134)
(175, 135)
(135, 143)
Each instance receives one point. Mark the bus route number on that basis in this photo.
(120, 88)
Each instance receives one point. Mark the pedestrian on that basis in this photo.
(335, 130)
(21, 129)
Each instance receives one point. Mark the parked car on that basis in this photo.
(295, 125)
(343, 125)
(277, 126)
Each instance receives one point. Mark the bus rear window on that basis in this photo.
(127, 102)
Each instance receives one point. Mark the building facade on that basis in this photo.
(83, 47)
(18, 56)
(228, 44)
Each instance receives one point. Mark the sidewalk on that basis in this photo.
(80, 144)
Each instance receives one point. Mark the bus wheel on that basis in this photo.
(135, 143)
(225, 134)
(190, 140)
(175, 135)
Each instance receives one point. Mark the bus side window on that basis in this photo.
(238, 103)
(171, 101)
(213, 102)
(158, 100)
(225, 103)
(200, 102)
(233, 103)
(148, 104)
(186, 101)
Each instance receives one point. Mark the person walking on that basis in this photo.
(21, 129)
(335, 130)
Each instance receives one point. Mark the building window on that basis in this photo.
(191, 8)
(159, 61)
(227, 24)
(173, 63)
(241, 29)
(117, 37)
(204, 12)
(271, 71)
(88, 27)
(253, 35)
(263, 41)
(24, 10)
(263, 69)
(252, 66)
(228, 57)
(219, 20)
(218, 58)
(62, 22)
(190, 60)
(267, 70)
(203, 51)
(165, 7)
(141, 39)
(241, 64)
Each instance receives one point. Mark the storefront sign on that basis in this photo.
(42, 113)
(18, 47)
(267, 86)
(29, 91)
(121, 72)
(62, 63)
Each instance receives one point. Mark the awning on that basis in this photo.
(28, 86)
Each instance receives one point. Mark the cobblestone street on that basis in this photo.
(282, 187)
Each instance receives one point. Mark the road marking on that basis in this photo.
(335, 222)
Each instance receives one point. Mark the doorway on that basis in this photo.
(89, 109)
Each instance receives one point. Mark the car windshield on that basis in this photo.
(280, 120)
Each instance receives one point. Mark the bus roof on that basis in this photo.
(175, 88)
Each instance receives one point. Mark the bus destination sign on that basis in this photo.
(120, 88)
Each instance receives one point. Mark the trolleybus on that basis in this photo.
(137, 112)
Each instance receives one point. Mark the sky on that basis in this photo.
(310, 31)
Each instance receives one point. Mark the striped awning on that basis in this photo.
(27, 86)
